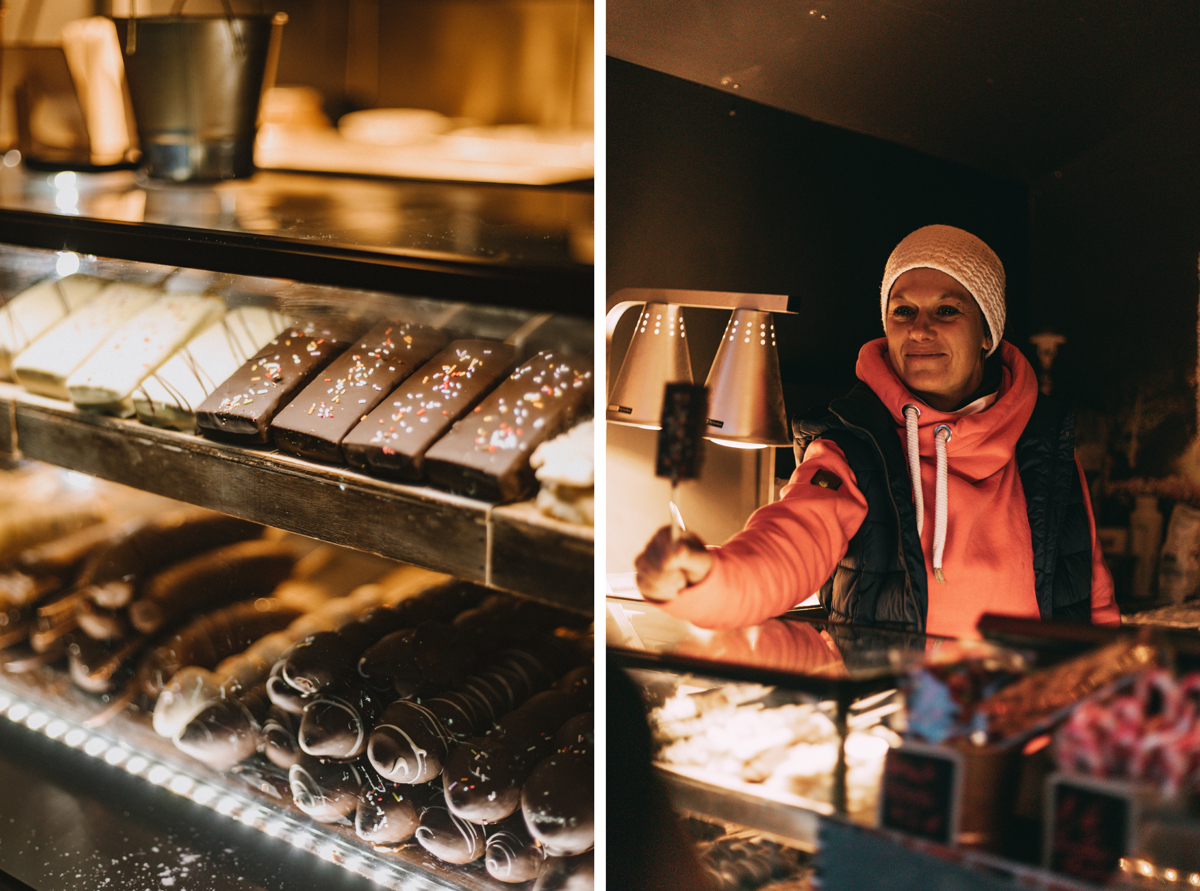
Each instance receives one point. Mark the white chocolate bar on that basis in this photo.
(44, 366)
(169, 396)
(26, 316)
(138, 346)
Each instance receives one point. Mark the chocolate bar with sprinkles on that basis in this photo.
(315, 422)
(486, 453)
(392, 440)
(242, 408)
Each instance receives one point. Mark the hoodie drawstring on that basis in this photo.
(911, 413)
(941, 436)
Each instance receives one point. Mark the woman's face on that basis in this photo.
(936, 337)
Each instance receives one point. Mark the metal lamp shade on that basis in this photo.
(658, 355)
(745, 390)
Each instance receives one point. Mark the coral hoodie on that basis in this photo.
(788, 549)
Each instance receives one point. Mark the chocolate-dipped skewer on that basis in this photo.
(328, 791)
(512, 855)
(483, 777)
(412, 739)
(388, 814)
(449, 838)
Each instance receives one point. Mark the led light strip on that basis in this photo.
(226, 802)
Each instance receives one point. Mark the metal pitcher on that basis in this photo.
(196, 84)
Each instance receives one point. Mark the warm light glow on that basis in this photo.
(115, 756)
(37, 720)
(12, 158)
(737, 445)
(96, 746)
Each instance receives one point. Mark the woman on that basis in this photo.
(941, 488)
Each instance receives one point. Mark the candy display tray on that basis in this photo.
(45, 701)
(513, 547)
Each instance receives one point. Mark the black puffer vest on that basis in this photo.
(881, 581)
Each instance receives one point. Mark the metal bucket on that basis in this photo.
(196, 84)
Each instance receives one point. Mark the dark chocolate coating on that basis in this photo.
(278, 737)
(241, 409)
(557, 800)
(576, 873)
(409, 743)
(314, 423)
(392, 439)
(316, 663)
(448, 838)
(486, 454)
(482, 780)
(226, 731)
(512, 855)
(389, 813)
(578, 734)
(429, 655)
(336, 722)
(330, 657)
(328, 791)
(283, 695)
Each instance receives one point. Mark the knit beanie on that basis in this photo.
(961, 256)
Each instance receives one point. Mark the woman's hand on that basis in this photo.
(666, 567)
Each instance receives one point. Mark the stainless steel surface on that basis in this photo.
(744, 386)
(196, 83)
(795, 822)
(657, 355)
(512, 547)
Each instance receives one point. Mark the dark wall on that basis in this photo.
(707, 191)
(1116, 238)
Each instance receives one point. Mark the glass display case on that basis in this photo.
(503, 264)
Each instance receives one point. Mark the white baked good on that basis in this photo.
(138, 346)
(44, 366)
(169, 396)
(566, 469)
(26, 316)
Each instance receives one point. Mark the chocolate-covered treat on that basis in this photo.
(412, 740)
(578, 734)
(282, 694)
(558, 803)
(433, 656)
(448, 838)
(392, 439)
(214, 636)
(233, 572)
(113, 572)
(315, 421)
(242, 408)
(568, 873)
(336, 721)
(328, 791)
(486, 453)
(409, 743)
(389, 813)
(326, 657)
(226, 731)
(278, 740)
(482, 777)
(512, 855)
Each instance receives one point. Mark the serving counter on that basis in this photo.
(868, 750)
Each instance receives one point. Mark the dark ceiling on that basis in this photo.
(1015, 88)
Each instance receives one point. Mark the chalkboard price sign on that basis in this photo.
(1090, 824)
(920, 792)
